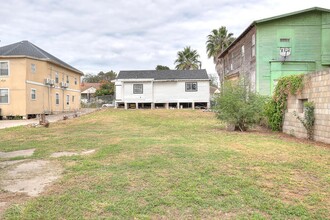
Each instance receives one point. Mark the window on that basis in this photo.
(285, 40)
(33, 68)
(75, 81)
(57, 99)
(253, 47)
(73, 99)
(33, 94)
(302, 105)
(137, 88)
(56, 77)
(4, 96)
(243, 51)
(191, 86)
(67, 99)
(4, 68)
(67, 79)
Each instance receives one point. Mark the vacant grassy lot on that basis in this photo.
(172, 164)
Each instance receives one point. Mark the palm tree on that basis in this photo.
(218, 41)
(188, 59)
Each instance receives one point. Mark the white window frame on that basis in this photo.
(57, 97)
(33, 68)
(190, 89)
(57, 77)
(8, 96)
(8, 63)
(35, 94)
(134, 89)
(67, 99)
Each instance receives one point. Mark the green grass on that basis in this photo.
(175, 165)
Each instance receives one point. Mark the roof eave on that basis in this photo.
(47, 60)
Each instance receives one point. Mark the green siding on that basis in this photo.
(305, 31)
(326, 38)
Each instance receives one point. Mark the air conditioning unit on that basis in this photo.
(64, 85)
(49, 81)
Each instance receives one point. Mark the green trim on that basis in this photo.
(291, 13)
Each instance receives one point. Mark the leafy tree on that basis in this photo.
(188, 59)
(101, 76)
(238, 106)
(106, 88)
(160, 67)
(218, 41)
(214, 80)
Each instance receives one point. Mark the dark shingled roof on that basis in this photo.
(163, 74)
(25, 48)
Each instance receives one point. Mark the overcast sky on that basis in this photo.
(103, 35)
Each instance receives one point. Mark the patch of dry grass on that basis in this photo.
(173, 164)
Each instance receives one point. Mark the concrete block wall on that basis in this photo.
(316, 89)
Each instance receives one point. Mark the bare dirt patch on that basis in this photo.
(69, 154)
(19, 153)
(30, 177)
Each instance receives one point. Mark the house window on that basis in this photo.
(73, 99)
(253, 47)
(243, 51)
(75, 81)
(4, 68)
(137, 88)
(67, 79)
(301, 107)
(33, 94)
(33, 68)
(57, 99)
(56, 77)
(285, 40)
(191, 86)
(4, 96)
(67, 99)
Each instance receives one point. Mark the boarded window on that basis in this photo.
(137, 88)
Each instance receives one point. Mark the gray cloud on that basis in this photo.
(103, 35)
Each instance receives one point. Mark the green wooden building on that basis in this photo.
(294, 43)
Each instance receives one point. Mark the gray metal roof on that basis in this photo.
(163, 74)
(25, 48)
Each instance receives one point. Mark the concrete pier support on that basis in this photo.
(126, 105)
(167, 105)
(137, 105)
(193, 105)
(152, 105)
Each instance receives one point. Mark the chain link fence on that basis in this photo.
(98, 101)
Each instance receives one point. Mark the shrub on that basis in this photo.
(308, 120)
(275, 108)
(238, 106)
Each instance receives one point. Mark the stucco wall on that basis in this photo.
(317, 90)
(22, 80)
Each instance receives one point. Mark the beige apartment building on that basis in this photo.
(33, 82)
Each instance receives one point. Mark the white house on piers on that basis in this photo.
(162, 89)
